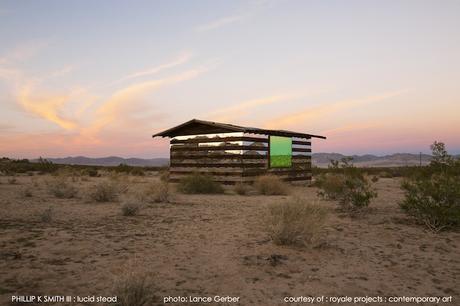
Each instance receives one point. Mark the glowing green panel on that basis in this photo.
(280, 152)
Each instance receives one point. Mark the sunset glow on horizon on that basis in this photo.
(99, 78)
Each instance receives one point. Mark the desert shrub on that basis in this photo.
(67, 173)
(26, 192)
(121, 180)
(130, 206)
(331, 185)
(46, 215)
(104, 191)
(295, 222)
(270, 185)
(375, 179)
(61, 188)
(137, 171)
(12, 180)
(132, 289)
(348, 185)
(199, 183)
(385, 174)
(46, 166)
(156, 192)
(357, 194)
(123, 168)
(241, 188)
(433, 196)
(12, 166)
(164, 175)
(90, 172)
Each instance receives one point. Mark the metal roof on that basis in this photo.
(196, 127)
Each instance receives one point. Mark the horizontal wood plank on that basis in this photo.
(229, 147)
(214, 154)
(232, 138)
(247, 180)
(218, 148)
(253, 172)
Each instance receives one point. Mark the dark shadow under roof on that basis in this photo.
(198, 127)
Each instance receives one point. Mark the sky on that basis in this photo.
(98, 78)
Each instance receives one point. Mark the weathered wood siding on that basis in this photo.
(235, 157)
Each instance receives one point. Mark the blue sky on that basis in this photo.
(97, 78)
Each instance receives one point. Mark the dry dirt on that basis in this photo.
(199, 245)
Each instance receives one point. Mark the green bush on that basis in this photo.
(199, 183)
(270, 185)
(295, 222)
(357, 194)
(348, 185)
(331, 185)
(433, 196)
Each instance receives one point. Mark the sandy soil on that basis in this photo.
(203, 245)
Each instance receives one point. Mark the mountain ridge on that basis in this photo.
(318, 159)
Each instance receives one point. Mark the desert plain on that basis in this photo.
(214, 245)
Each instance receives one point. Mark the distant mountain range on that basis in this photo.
(110, 161)
(318, 159)
(368, 160)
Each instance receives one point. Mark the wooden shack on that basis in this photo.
(232, 153)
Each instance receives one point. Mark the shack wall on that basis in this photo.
(235, 157)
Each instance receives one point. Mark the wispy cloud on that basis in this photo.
(183, 58)
(352, 127)
(126, 101)
(47, 106)
(218, 23)
(245, 107)
(315, 113)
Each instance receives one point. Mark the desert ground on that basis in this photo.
(200, 245)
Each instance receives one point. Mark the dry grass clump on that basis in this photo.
(331, 185)
(156, 192)
(12, 180)
(348, 185)
(164, 175)
(26, 192)
(104, 191)
(271, 185)
(122, 181)
(132, 289)
(241, 188)
(61, 188)
(197, 183)
(295, 222)
(46, 215)
(130, 206)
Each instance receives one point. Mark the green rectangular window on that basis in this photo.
(280, 152)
